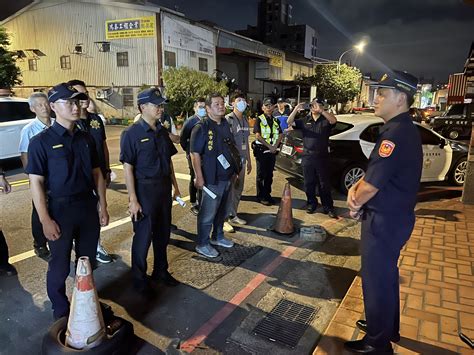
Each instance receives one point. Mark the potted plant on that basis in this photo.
(9, 73)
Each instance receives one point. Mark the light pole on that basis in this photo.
(358, 47)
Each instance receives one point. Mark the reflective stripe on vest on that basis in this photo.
(266, 130)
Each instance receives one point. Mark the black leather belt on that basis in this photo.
(72, 198)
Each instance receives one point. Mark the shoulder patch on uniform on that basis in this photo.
(95, 124)
(386, 148)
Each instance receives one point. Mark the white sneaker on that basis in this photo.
(228, 228)
(102, 256)
(207, 250)
(238, 220)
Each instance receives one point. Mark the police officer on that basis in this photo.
(146, 151)
(199, 114)
(93, 124)
(316, 127)
(6, 269)
(64, 171)
(268, 137)
(386, 198)
(214, 169)
(281, 113)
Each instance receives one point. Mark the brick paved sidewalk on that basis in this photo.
(436, 286)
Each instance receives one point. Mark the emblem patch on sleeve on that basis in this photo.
(386, 148)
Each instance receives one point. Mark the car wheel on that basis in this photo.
(458, 173)
(453, 134)
(350, 175)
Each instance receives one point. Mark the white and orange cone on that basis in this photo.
(85, 327)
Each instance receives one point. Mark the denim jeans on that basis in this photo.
(212, 213)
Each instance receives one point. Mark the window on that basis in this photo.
(456, 109)
(427, 137)
(203, 64)
(127, 96)
(65, 61)
(170, 59)
(32, 64)
(122, 59)
(15, 111)
(371, 133)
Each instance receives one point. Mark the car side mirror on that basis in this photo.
(442, 143)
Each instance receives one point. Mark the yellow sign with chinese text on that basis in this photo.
(138, 27)
(275, 58)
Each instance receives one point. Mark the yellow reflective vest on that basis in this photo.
(266, 130)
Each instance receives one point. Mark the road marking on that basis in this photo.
(207, 328)
(119, 222)
(117, 166)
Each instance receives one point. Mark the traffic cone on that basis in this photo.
(284, 219)
(85, 327)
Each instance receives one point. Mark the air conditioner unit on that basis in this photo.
(78, 49)
(101, 94)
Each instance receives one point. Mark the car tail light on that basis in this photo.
(299, 149)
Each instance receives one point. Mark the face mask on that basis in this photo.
(241, 106)
(201, 112)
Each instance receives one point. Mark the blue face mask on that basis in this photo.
(241, 106)
(201, 112)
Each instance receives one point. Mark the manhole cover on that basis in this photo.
(199, 272)
(286, 323)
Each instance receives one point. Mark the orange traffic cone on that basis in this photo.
(284, 219)
(85, 327)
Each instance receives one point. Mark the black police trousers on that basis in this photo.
(265, 166)
(194, 193)
(3, 250)
(316, 176)
(383, 236)
(78, 219)
(155, 198)
(39, 240)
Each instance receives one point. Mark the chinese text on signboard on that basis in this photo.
(130, 28)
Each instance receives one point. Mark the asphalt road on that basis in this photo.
(219, 303)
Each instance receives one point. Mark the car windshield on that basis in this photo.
(456, 109)
(15, 111)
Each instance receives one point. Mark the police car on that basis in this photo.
(352, 140)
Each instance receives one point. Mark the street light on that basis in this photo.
(358, 47)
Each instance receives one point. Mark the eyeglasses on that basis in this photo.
(69, 103)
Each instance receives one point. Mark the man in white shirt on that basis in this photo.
(40, 106)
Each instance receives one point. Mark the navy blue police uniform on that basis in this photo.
(66, 162)
(150, 152)
(269, 129)
(95, 126)
(388, 219)
(315, 160)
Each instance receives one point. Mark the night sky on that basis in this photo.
(429, 38)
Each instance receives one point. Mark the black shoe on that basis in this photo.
(361, 347)
(310, 209)
(166, 278)
(330, 212)
(271, 200)
(265, 202)
(362, 325)
(195, 210)
(43, 252)
(173, 227)
(8, 270)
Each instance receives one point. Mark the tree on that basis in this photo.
(9, 73)
(336, 86)
(184, 86)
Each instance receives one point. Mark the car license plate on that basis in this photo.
(286, 149)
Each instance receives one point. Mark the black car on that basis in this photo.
(353, 139)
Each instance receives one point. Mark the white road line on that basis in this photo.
(119, 222)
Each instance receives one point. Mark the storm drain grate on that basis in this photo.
(199, 272)
(286, 323)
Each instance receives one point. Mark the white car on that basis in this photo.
(14, 115)
(353, 139)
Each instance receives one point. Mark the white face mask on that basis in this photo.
(241, 106)
(201, 112)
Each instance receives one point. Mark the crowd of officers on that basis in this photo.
(67, 162)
